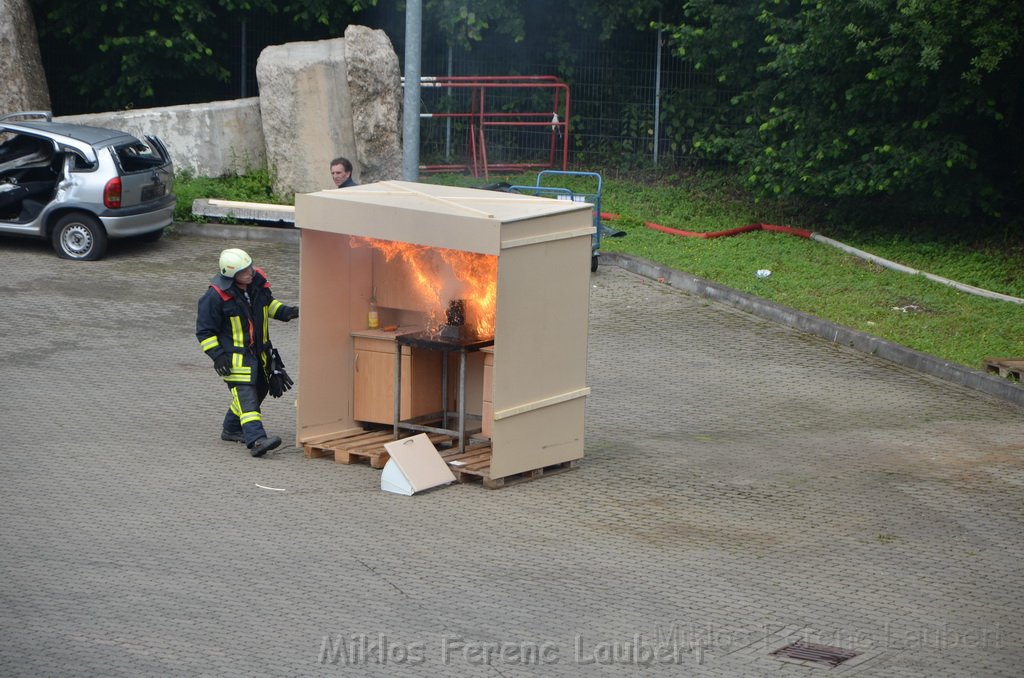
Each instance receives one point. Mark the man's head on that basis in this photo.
(341, 170)
(235, 263)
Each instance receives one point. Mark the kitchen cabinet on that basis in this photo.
(373, 394)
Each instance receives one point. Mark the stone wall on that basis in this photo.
(208, 140)
(318, 100)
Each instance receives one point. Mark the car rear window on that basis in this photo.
(137, 157)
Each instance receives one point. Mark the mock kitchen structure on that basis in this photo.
(457, 312)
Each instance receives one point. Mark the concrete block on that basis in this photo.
(306, 113)
(328, 98)
(375, 93)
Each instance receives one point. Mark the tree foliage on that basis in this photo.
(463, 23)
(129, 53)
(912, 102)
(892, 104)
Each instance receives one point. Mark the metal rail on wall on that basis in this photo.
(479, 119)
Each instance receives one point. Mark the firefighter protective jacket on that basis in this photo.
(227, 323)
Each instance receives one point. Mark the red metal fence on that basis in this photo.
(525, 118)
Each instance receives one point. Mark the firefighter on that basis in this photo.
(232, 326)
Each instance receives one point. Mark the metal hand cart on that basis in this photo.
(543, 187)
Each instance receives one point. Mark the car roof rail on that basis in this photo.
(45, 115)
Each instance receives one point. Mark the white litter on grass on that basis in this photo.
(763, 273)
(275, 489)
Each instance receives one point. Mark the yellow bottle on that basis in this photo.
(372, 319)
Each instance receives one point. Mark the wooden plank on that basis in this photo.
(480, 465)
(336, 435)
(314, 453)
(325, 448)
(470, 450)
(474, 462)
(377, 458)
(369, 443)
(465, 457)
(370, 448)
(466, 475)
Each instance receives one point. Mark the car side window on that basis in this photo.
(78, 162)
(23, 150)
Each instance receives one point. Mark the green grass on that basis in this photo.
(806, 275)
(252, 187)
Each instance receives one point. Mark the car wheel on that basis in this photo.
(79, 236)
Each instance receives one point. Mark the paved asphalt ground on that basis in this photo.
(745, 486)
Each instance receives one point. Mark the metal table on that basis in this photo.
(446, 345)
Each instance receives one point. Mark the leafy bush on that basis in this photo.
(257, 186)
(905, 106)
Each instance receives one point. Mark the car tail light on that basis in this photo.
(112, 193)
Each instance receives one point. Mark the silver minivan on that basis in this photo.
(80, 186)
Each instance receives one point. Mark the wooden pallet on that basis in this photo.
(361, 446)
(369, 449)
(325, 448)
(1008, 368)
(475, 464)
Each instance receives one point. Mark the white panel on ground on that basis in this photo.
(415, 465)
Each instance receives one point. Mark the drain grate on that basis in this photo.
(813, 652)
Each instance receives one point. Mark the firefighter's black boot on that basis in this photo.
(264, 445)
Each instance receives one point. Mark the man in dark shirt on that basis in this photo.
(341, 172)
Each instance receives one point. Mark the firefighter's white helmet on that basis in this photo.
(234, 260)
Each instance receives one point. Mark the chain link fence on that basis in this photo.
(630, 108)
(634, 104)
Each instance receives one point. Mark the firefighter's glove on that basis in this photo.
(288, 313)
(279, 383)
(222, 364)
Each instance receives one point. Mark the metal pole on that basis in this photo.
(398, 385)
(462, 400)
(245, 65)
(444, 389)
(411, 103)
(657, 95)
(448, 120)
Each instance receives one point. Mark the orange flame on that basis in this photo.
(442, 275)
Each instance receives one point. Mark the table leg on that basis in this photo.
(398, 386)
(444, 389)
(462, 400)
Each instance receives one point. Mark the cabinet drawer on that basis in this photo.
(378, 345)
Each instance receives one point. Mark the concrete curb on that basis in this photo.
(838, 334)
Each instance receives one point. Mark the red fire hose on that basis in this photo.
(817, 237)
(609, 216)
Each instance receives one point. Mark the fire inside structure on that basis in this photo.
(454, 286)
(499, 280)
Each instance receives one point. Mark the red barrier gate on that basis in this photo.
(481, 98)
